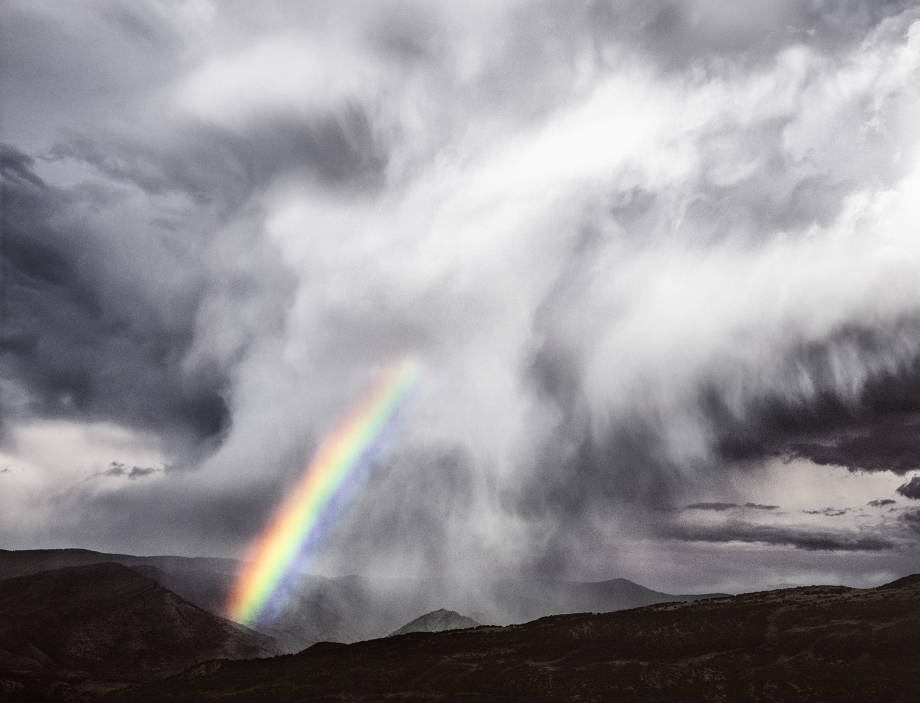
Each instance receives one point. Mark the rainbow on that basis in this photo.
(308, 512)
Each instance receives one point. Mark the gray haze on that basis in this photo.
(660, 261)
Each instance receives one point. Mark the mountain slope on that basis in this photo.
(105, 622)
(805, 645)
(437, 621)
(200, 580)
(353, 608)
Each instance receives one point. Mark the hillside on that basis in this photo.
(107, 623)
(823, 643)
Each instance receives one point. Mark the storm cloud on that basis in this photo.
(718, 507)
(809, 540)
(651, 254)
(80, 334)
(911, 489)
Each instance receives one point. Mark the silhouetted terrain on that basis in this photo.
(78, 633)
(823, 643)
(353, 608)
(199, 580)
(437, 621)
(83, 627)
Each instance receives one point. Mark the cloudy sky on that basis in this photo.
(660, 261)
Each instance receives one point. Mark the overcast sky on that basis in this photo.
(660, 261)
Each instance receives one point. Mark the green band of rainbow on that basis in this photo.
(308, 509)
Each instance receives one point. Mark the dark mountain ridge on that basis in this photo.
(107, 623)
(803, 645)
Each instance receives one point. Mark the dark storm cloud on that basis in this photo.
(72, 339)
(777, 535)
(828, 512)
(716, 507)
(876, 431)
(911, 489)
(722, 507)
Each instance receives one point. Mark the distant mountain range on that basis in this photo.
(353, 608)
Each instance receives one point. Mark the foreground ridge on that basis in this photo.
(820, 643)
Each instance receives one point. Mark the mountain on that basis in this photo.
(354, 608)
(88, 626)
(200, 580)
(437, 621)
(802, 645)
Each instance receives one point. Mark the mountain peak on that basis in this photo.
(437, 621)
